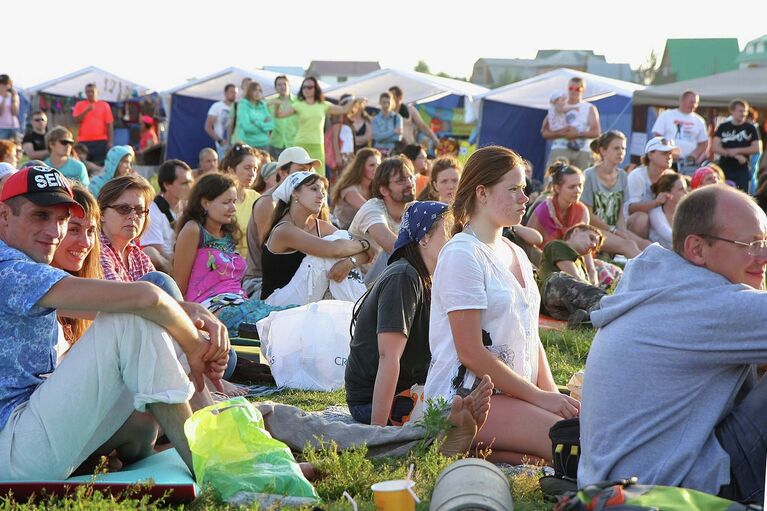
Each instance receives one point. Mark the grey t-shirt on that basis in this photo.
(606, 202)
(397, 303)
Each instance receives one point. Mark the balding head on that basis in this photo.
(713, 226)
(703, 212)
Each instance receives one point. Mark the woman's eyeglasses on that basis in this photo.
(125, 209)
(66, 142)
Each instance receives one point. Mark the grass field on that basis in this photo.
(351, 470)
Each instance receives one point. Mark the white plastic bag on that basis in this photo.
(307, 346)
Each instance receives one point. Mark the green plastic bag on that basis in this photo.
(232, 452)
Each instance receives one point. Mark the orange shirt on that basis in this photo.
(94, 125)
(421, 182)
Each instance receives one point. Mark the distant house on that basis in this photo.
(497, 72)
(686, 59)
(754, 54)
(338, 71)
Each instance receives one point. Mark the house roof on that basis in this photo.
(754, 51)
(694, 58)
(341, 68)
(552, 59)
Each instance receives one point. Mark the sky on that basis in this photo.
(163, 43)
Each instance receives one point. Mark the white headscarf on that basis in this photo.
(285, 190)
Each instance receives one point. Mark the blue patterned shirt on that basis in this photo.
(27, 332)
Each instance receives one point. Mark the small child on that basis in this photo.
(566, 291)
(558, 109)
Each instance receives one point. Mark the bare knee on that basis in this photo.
(639, 224)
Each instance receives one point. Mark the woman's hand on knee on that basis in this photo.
(558, 404)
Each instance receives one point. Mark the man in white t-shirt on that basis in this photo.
(574, 141)
(378, 220)
(175, 180)
(687, 129)
(217, 122)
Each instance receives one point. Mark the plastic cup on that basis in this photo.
(395, 495)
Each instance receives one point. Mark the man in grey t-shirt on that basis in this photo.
(669, 391)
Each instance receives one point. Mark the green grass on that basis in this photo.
(352, 470)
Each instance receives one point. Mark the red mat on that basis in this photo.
(548, 323)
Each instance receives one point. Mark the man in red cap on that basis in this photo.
(53, 418)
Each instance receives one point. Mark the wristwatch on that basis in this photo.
(354, 261)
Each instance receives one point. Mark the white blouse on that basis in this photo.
(470, 276)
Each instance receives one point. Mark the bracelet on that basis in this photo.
(365, 244)
(354, 261)
(613, 229)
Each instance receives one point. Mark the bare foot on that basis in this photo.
(467, 416)
(232, 390)
(460, 437)
(481, 401)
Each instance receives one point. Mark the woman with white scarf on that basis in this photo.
(303, 256)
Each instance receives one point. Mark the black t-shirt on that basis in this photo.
(735, 137)
(397, 303)
(38, 140)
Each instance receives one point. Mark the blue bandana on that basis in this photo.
(416, 222)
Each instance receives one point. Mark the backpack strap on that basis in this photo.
(164, 208)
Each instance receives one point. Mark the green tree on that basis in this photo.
(422, 67)
(648, 71)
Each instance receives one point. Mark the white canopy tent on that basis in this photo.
(535, 92)
(417, 87)
(111, 87)
(212, 86)
(187, 106)
(512, 115)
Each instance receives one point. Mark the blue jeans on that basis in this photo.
(8, 133)
(362, 413)
(97, 151)
(743, 434)
(167, 284)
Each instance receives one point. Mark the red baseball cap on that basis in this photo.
(42, 185)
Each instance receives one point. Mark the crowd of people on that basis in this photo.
(138, 287)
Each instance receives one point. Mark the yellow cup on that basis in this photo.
(396, 495)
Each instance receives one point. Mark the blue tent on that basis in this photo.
(188, 106)
(512, 115)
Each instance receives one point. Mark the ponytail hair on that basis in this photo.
(486, 167)
(558, 171)
(604, 140)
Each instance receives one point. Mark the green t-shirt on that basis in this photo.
(285, 128)
(311, 122)
(554, 252)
